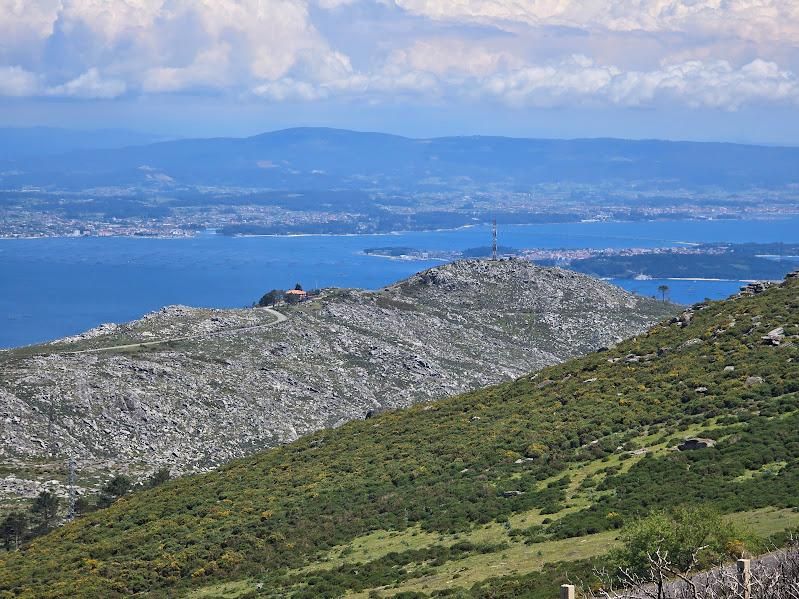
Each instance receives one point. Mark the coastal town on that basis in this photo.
(185, 213)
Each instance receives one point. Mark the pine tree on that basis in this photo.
(115, 488)
(14, 529)
(45, 506)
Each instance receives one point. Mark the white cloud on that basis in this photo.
(16, 81)
(89, 85)
(749, 19)
(209, 68)
(273, 50)
(164, 45)
(715, 84)
(333, 4)
(22, 21)
(290, 89)
(384, 84)
(451, 56)
(111, 20)
(574, 81)
(269, 34)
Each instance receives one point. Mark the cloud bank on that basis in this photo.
(746, 19)
(718, 54)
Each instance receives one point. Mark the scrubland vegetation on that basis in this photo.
(478, 495)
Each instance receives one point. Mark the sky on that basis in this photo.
(724, 70)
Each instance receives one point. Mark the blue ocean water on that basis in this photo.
(54, 287)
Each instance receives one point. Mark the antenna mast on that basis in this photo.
(73, 496)
(47, 396)
(494, 239)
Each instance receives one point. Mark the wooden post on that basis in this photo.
(744, 579)
(567, 591)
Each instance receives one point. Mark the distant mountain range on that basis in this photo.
(319, 158)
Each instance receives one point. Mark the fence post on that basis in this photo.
(744, 579)
(567, 591)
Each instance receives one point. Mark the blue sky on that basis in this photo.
(678, 69)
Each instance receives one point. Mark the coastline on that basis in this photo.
(213, 270)
(583, 222)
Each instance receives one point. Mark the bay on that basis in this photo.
(52, 287)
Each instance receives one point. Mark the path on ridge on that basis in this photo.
(279, 317)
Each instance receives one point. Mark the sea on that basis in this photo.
(53, 287)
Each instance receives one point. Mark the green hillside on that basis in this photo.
(478, 495)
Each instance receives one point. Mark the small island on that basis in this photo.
(712, 261)
(409, 253)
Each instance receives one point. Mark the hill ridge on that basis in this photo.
(572, 451)
(320, 158)
(229, 383)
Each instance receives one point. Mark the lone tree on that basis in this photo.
(14, 528)
(159, 477)
(115, 488)
(676, 543)
(45, 506)
(297, 287)
(271, 298)
(83, 506)
(664, 289)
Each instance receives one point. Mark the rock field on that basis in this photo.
(243, 382)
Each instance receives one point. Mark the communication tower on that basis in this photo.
(47, 398)
(494, 239)
(73, 495)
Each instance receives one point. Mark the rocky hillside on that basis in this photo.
(230, 382)
(474, 496)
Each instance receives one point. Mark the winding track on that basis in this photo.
(279, 317)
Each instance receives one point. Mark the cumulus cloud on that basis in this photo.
(386, 83)
(161, 45)
(25, 21)
(110, 20)
(715, 84)
(453, 56)
(89, 85)
(273, 50)
(209, 68)
(290, 89)
(750, 19)
(332, 4)
(15, 81)
(574, 81)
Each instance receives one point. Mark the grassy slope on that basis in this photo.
(451, 468)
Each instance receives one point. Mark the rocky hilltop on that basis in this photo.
(191, 388)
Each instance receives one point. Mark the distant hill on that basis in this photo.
(24, 143)
(746, 261)
(318, 158)
(669, 265)
(475, 495)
